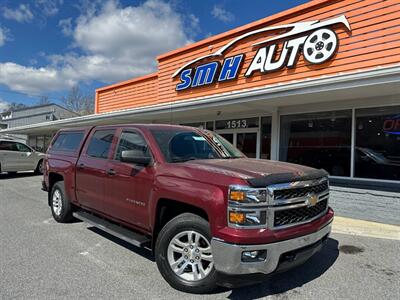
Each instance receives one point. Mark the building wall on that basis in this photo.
(137, 92)
(373, 42)
(34, 115)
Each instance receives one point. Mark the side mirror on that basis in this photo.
(136, 157)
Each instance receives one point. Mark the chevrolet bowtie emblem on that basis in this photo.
(312, 200)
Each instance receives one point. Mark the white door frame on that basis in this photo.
(243, 130)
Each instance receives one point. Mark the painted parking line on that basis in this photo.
(365, 228)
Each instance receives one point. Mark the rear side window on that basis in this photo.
(68, 141)
(7, 146)
(100, 143)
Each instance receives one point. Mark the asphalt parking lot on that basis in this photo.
(41, 259)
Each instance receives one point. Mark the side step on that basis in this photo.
(113, 229)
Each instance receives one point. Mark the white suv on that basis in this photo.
(16, 156)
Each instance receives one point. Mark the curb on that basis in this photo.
(365, 228)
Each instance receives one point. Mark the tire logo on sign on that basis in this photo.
(312, 38)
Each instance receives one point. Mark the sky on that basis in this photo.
(49, 46)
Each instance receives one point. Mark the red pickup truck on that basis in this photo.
(211, 215)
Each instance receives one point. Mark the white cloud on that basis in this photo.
(117, 43)
(48, 7)
(222, 14)
(32, 80)
(21, 14)
(66, 26)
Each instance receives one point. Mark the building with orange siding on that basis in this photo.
(318, 84)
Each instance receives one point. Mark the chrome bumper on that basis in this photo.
(228, 257)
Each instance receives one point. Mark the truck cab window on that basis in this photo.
(68, 141)
(130, 140)
(100, 143)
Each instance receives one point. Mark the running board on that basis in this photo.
(113, 229)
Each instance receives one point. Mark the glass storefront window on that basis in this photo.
(210, 125)
(377, 151)
(266, 137)
(319, 140)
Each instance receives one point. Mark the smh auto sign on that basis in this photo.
(314, 39)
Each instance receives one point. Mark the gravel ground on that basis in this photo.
(41, 259)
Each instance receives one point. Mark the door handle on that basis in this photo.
(111, 172)
(81, 166)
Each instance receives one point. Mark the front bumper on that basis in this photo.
(228, 257)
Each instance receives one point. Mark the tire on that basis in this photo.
(175, 233)
(39, 167)
(61, 208)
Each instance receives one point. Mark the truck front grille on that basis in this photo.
(296, 203)
(300, 192)
(299, 215)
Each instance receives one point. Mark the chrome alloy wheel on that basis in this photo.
(189, 256)
(57, 202)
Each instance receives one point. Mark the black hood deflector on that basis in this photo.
(264, 181)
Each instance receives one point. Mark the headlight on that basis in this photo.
(245, 194)
(246, 207)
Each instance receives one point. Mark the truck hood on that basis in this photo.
(258, 172)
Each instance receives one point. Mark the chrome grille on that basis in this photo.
(295, 203)
(300, 192)
(299, 215)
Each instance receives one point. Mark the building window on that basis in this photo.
(210, 125)
(266, 138)
(377, 151)
(319, 140)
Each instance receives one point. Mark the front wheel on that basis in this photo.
(183, 254)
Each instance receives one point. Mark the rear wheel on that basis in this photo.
(39, 167)
(61, 208)
(184, 256)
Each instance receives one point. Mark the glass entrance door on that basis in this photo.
(247, 143)
(245, 140)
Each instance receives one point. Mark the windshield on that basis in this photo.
(180, 144)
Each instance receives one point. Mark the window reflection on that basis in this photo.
(319, 140)
(377, 153)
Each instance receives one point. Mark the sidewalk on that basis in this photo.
(365, 228)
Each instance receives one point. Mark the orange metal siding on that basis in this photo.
(138, 92)
(374, 41)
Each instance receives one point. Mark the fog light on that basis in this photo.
(254, 256)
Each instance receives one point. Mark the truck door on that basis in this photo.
(129, 185)
(91, 169)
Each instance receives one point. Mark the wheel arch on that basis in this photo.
(53, 178)
(167, 209)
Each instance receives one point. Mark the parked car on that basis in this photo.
(210, 215)
(16, 156)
